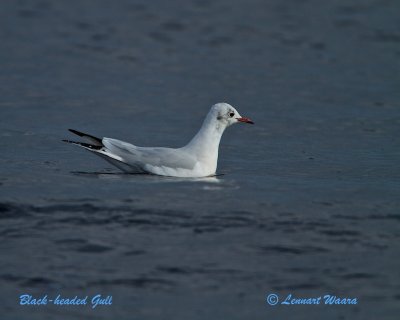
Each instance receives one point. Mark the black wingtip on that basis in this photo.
(92, 139)
(76, 132)
(83, 144)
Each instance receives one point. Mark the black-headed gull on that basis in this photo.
(197, 159)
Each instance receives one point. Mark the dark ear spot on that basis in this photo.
(219, 117)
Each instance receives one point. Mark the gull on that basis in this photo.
(195, 160)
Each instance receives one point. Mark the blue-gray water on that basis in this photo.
(308, 200)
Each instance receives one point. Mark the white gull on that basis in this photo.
(197, 159)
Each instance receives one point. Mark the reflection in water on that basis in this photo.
(145, 177)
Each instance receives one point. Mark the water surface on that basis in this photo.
(307, 201)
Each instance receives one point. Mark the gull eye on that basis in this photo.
(231, 114)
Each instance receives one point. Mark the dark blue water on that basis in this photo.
(307, 201)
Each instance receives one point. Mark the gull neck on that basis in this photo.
(205, 143)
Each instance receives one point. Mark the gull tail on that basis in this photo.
(96, 146)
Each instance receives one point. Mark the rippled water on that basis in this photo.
(307, 200)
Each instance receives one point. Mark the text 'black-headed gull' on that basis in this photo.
(197, 159)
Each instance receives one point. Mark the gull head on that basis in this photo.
(227, 115)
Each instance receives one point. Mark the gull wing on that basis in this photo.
(156, 157)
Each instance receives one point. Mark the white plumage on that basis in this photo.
(197, 159)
